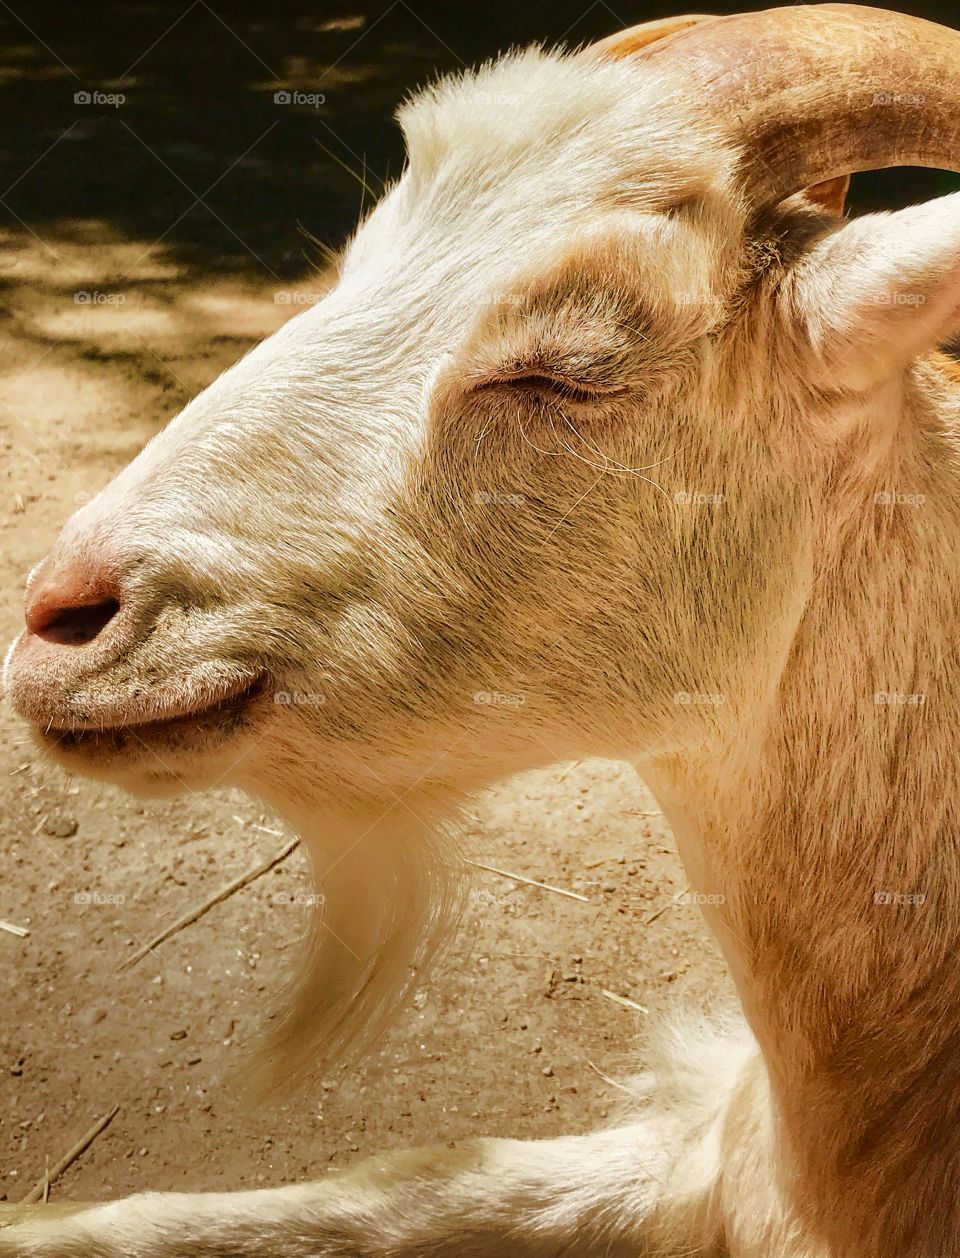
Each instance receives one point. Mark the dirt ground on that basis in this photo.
(516, 1034)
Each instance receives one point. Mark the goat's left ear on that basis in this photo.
(829, 196)
(877, 293)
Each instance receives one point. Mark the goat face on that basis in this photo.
(365, 540)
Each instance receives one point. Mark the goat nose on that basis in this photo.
(73, 605)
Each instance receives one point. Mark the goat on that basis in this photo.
(635, 306)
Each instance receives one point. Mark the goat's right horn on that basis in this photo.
(815, 92)
(629, 42)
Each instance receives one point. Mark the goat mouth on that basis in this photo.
(221, 716)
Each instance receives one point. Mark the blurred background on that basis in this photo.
(200, 152)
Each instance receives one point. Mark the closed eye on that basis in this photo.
(552, 385)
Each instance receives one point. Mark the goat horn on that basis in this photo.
(634, 38)
(821, 91)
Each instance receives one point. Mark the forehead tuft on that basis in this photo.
(534, 111)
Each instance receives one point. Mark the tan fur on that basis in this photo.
(578, 426)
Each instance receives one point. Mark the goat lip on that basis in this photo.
(229, 702)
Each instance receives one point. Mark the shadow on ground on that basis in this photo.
(224, 131)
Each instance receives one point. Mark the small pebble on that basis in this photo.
(61, 825)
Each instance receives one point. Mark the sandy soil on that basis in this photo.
(513, 1035)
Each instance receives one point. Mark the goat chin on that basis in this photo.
(388, 891)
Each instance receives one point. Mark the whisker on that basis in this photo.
(621, 466)
(611, 465)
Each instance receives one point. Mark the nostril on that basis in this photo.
(73, 626)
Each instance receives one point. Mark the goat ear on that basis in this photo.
(830, 196)
(872, 296)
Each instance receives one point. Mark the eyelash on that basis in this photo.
(557, 386)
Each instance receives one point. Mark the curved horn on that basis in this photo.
(819, 91)
(634, 38)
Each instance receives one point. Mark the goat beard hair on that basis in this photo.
(389, 890)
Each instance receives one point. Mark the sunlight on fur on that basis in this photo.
(611, 409)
